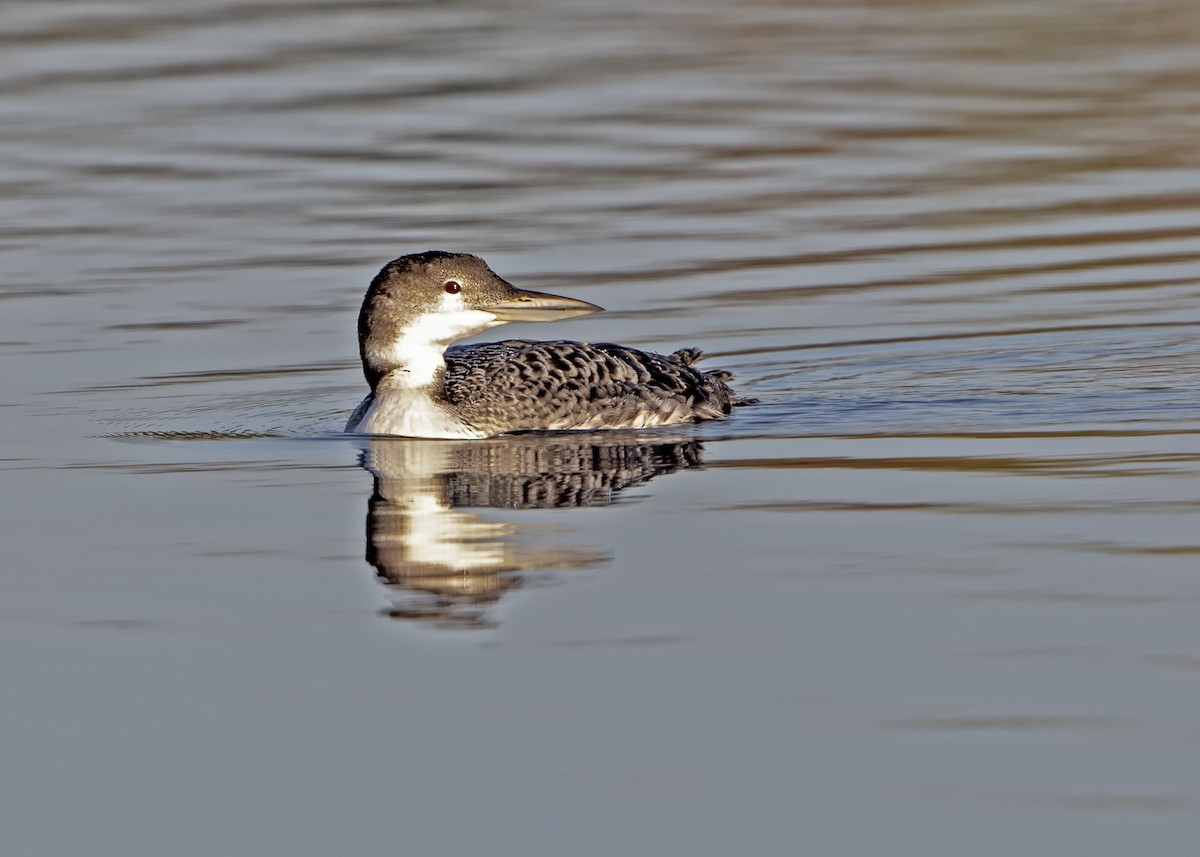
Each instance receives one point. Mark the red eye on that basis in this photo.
(452, 287)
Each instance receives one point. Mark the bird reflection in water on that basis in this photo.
(453, 565)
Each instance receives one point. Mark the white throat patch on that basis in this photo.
(419, 349)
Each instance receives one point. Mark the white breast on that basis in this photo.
(401, 403)
(400, 410)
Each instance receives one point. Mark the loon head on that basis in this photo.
(419, 304)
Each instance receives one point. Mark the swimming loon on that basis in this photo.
(419, 304)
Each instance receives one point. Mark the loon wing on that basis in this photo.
(526, 385)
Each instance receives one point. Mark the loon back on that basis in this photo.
(520, 385)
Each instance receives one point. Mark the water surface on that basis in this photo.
(935, 595)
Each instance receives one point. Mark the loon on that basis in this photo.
(421, 386)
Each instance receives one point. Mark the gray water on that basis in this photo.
(936, 595)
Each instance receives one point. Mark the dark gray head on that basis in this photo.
(419, 304)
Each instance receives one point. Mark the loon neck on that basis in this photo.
(415, 365)
(412, 353)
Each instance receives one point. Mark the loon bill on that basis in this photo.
(422, 386)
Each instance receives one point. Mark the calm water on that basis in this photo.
(936, 595)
